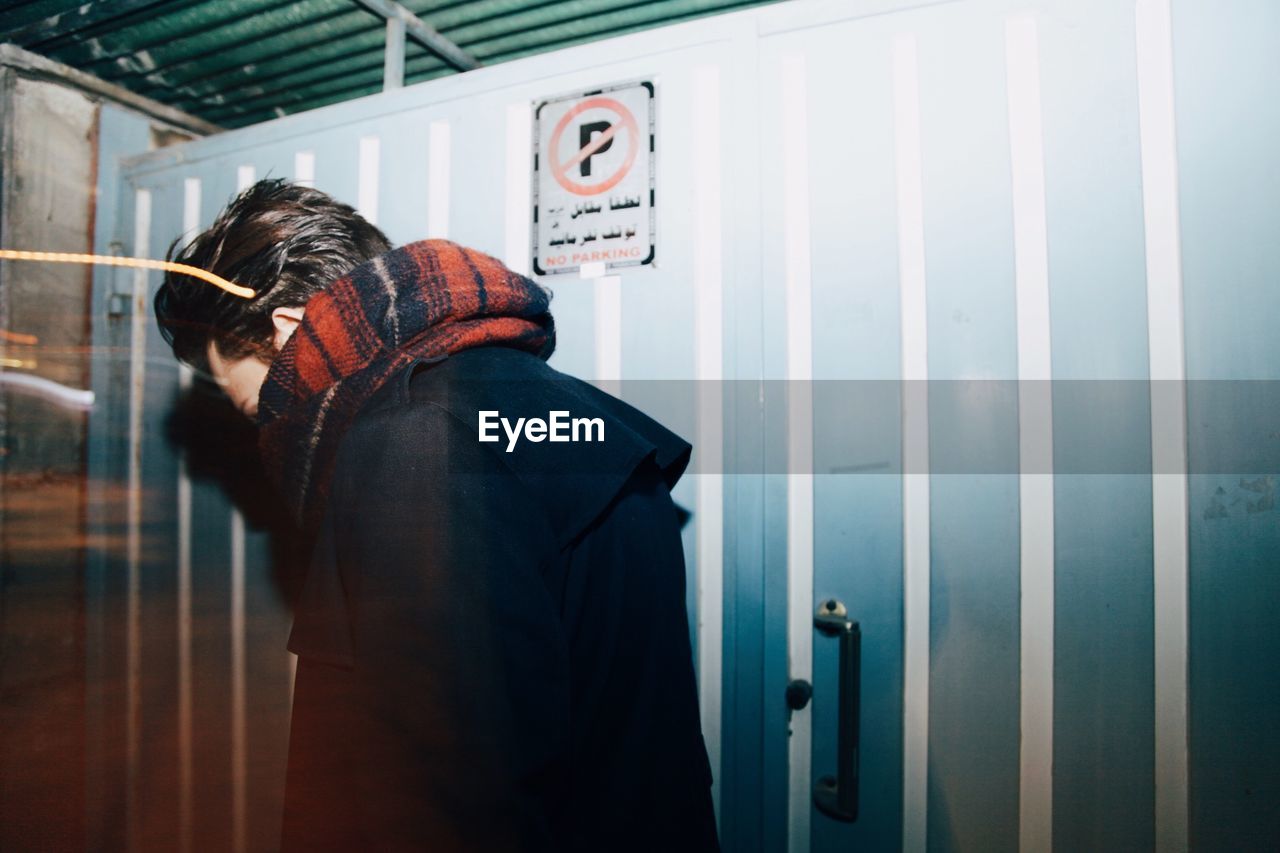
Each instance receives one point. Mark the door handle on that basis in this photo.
(837, 796)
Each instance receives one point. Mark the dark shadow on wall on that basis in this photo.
(220, 445)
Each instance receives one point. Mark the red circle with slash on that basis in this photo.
(560, 170)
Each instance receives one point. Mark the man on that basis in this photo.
(493, 649)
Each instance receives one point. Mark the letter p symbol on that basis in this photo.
(585, 132)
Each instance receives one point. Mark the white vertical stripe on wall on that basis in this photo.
(133, 514)
(304, 168)
(1168, 415)
(244, 178)
(799, 324)
(915, 443)
(438, 170)
(1035, 434)
(708, 289)
(608, 332)
(239, 734)
(190, 208)
(519, 200)
(186, 765)
(367, 178)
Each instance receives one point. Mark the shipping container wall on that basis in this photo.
(930, 282)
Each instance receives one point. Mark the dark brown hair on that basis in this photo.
(286, 241)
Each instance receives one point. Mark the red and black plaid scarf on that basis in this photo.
(423, 300)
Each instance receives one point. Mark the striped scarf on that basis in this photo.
(422, 300)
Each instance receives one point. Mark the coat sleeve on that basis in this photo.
(460, 676)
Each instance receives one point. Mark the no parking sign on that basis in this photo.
(593, 179)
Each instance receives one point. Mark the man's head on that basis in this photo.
(286, 242)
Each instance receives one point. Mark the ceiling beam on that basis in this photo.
(421, 32)
(38, 66)
(82, 16)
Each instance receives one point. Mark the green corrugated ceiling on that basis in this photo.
(237, 62)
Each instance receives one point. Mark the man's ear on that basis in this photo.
(286, 319)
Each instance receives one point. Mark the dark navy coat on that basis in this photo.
(493, 647)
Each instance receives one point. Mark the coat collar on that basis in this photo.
(572, 496)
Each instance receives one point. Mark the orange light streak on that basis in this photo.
(115, 261)
(18, 337)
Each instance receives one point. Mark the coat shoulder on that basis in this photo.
(481, 408)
